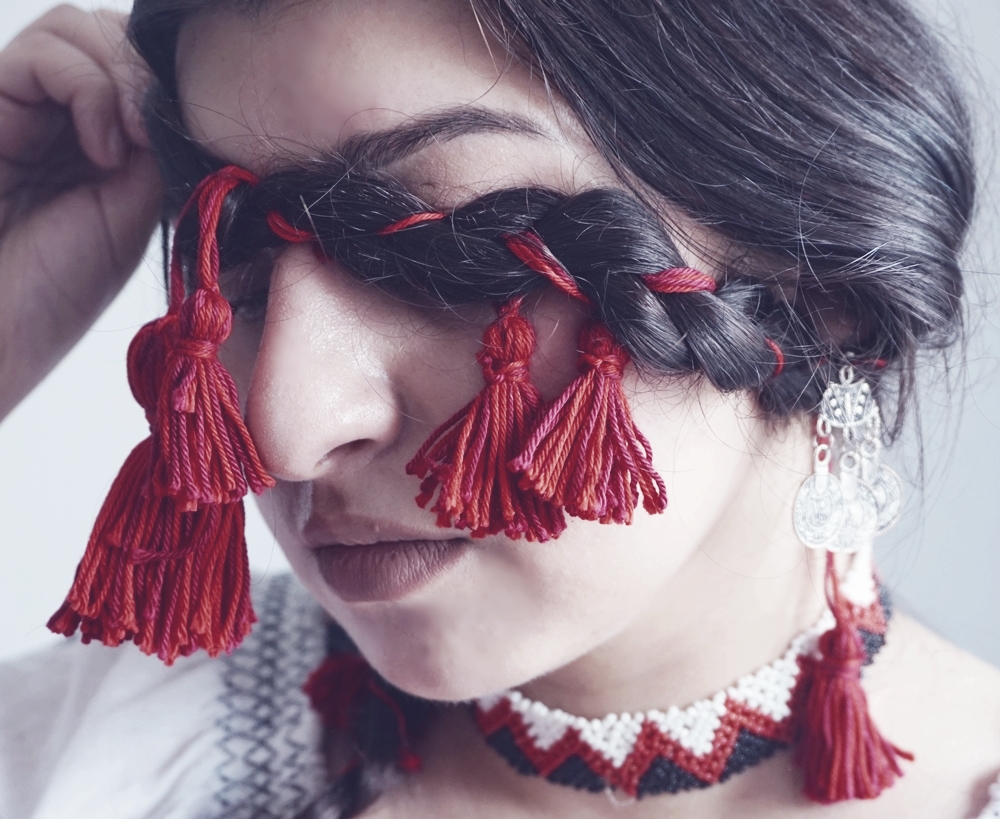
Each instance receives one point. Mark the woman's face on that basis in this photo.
(342, 384)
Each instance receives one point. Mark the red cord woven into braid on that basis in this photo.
(177, 289)
(410, 221)
(779, 357)
(680, 280)
(530, 249)
(284, 229)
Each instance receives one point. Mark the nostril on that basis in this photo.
(351, 449)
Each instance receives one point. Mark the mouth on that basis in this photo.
(388, 570)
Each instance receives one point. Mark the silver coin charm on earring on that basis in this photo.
(819, 505)
(860, 509)
(884, 483)
(844, 512)
(888, 491)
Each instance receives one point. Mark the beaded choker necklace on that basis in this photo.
(677, 749)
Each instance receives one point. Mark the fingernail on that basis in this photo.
(116, 145)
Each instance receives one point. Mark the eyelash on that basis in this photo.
(250, 309)
(246, 288)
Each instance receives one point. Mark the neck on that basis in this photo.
(734, 605)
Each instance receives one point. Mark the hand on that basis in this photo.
(79, 188)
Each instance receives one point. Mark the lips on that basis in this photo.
(387, 570)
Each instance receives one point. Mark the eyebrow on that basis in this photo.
(374, 150)
(377, 149)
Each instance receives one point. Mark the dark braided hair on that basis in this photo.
(605, 238)
(824, 140)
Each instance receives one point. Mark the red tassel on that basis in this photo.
(147, 363)
(337, 689)
(205, 454)
(166, 564)
(841, 752)
(194, 582)
(101, 602)
(468, 454)
(171, 581)
(585, 453)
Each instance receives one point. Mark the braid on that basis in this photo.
(610, 246)
(609, 241)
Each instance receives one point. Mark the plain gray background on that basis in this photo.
(60, 450)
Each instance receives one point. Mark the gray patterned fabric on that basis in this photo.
(98, 733)
(271, 739)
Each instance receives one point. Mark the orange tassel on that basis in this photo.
(467, 455)
(586, 454)
(841, 752)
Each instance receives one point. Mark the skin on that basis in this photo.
(341, 385)
(79, 191)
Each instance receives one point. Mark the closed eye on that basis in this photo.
(246, 287)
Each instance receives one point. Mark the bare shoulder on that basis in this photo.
(943, 704)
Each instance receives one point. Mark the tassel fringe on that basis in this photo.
(205, 453)
(338, 689)
(166, 564)
(586, 453)
(467, 455)
(841, 752)
(168, 580)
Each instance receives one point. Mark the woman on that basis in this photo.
(725, 213)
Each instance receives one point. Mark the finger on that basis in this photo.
(38, 68)
(99, 34)
(102, 36)
(28, 131)
(113, 219)
(65, 263)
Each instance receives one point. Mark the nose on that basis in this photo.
(320, 393)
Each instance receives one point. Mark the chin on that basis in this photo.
(430, 653)
(483, 624)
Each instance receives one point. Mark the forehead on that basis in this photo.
(311, 76)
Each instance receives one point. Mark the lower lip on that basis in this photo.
(386, 571)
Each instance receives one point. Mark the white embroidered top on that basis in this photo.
(101, 733)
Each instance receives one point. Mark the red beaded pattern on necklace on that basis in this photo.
(665, 751)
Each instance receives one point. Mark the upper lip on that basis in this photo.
(355, 531)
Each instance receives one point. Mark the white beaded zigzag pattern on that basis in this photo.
(656, 751)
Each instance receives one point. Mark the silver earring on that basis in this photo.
(843, 512)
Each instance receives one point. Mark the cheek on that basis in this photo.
(700, 440)
(514, 611)
(517, 610)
